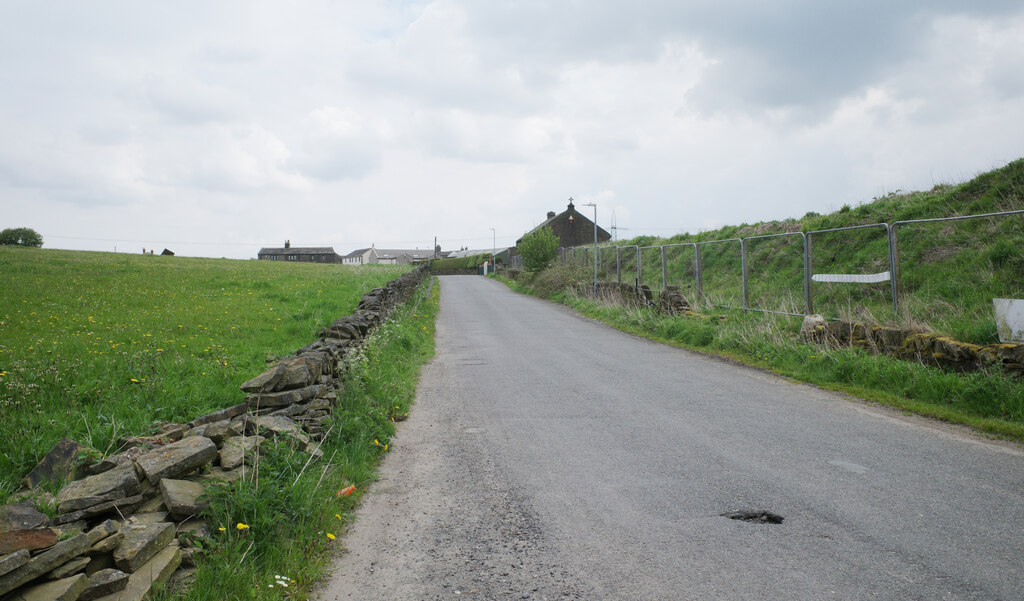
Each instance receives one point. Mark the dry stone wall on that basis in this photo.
(127, 521)
(928, 348)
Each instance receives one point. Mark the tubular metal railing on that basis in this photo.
(581, 253)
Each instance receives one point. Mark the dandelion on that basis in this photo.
(337, 516)
(242, 526)
(331, 536)
(135, 381)
(222, 529)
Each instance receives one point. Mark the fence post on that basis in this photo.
(807, 276)
(664, 270)
(618, 266)
(743, 272)
(639, 266)
(808, 270)
(894, 268)
(697, 271)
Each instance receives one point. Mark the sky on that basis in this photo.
(217, 128)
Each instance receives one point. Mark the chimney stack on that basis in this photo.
(287, 243)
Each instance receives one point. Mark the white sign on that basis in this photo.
(854, 278)
(1009, 319)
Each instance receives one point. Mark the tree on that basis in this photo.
(21, 236)
(538, 249)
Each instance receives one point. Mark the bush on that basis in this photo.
(21, 236)
(538, 249)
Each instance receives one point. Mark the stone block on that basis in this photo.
(70, 568)
(109, 463)
(288, 374)
(152, 505)
(276, 426)
(31, 539)
(813, 328)
(177, 459)
(66, 461)
(112, 485)
(182, 497)
(21, 516)
(46, 561)
(141, 543)
(172, 432)
(219, 475)
(218, 432)
(104, 582)
(67, 589)
(11, 561)
(154, 517)
(107, 545)
(219, 416)
(282, 398)
(125, 505)
(103, 530)
(237, 449)
(140, 583)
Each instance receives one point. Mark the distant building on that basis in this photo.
(382, 256)
(571, 227)
(320, 254)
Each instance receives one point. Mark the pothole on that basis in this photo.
(755, 517)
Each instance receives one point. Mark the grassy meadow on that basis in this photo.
(94, 346)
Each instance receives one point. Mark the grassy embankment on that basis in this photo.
(951, 271)
(96, 346)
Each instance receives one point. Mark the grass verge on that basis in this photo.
(989, 401)
(273, 535)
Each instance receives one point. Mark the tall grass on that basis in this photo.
(98, 345)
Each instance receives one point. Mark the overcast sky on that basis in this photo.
(215, 128)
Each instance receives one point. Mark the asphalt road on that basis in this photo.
(551, 457)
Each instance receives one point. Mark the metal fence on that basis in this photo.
(660, 266)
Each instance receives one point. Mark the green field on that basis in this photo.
(94, 346)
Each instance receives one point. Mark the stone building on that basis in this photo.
(571, 227)
(318, 254)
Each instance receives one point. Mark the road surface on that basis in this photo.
(551, 457)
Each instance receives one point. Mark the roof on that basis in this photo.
(569, 212)
(385, 253)
(310, 250)
(357, 253)
(481, 251)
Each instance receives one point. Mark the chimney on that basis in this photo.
(551, 214)
(287, 243)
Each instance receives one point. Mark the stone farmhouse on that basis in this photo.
(571, 227)
(320, 254)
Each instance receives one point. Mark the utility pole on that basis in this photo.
(494, 250)
(594, 204)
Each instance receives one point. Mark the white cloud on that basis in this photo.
(393, 122)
